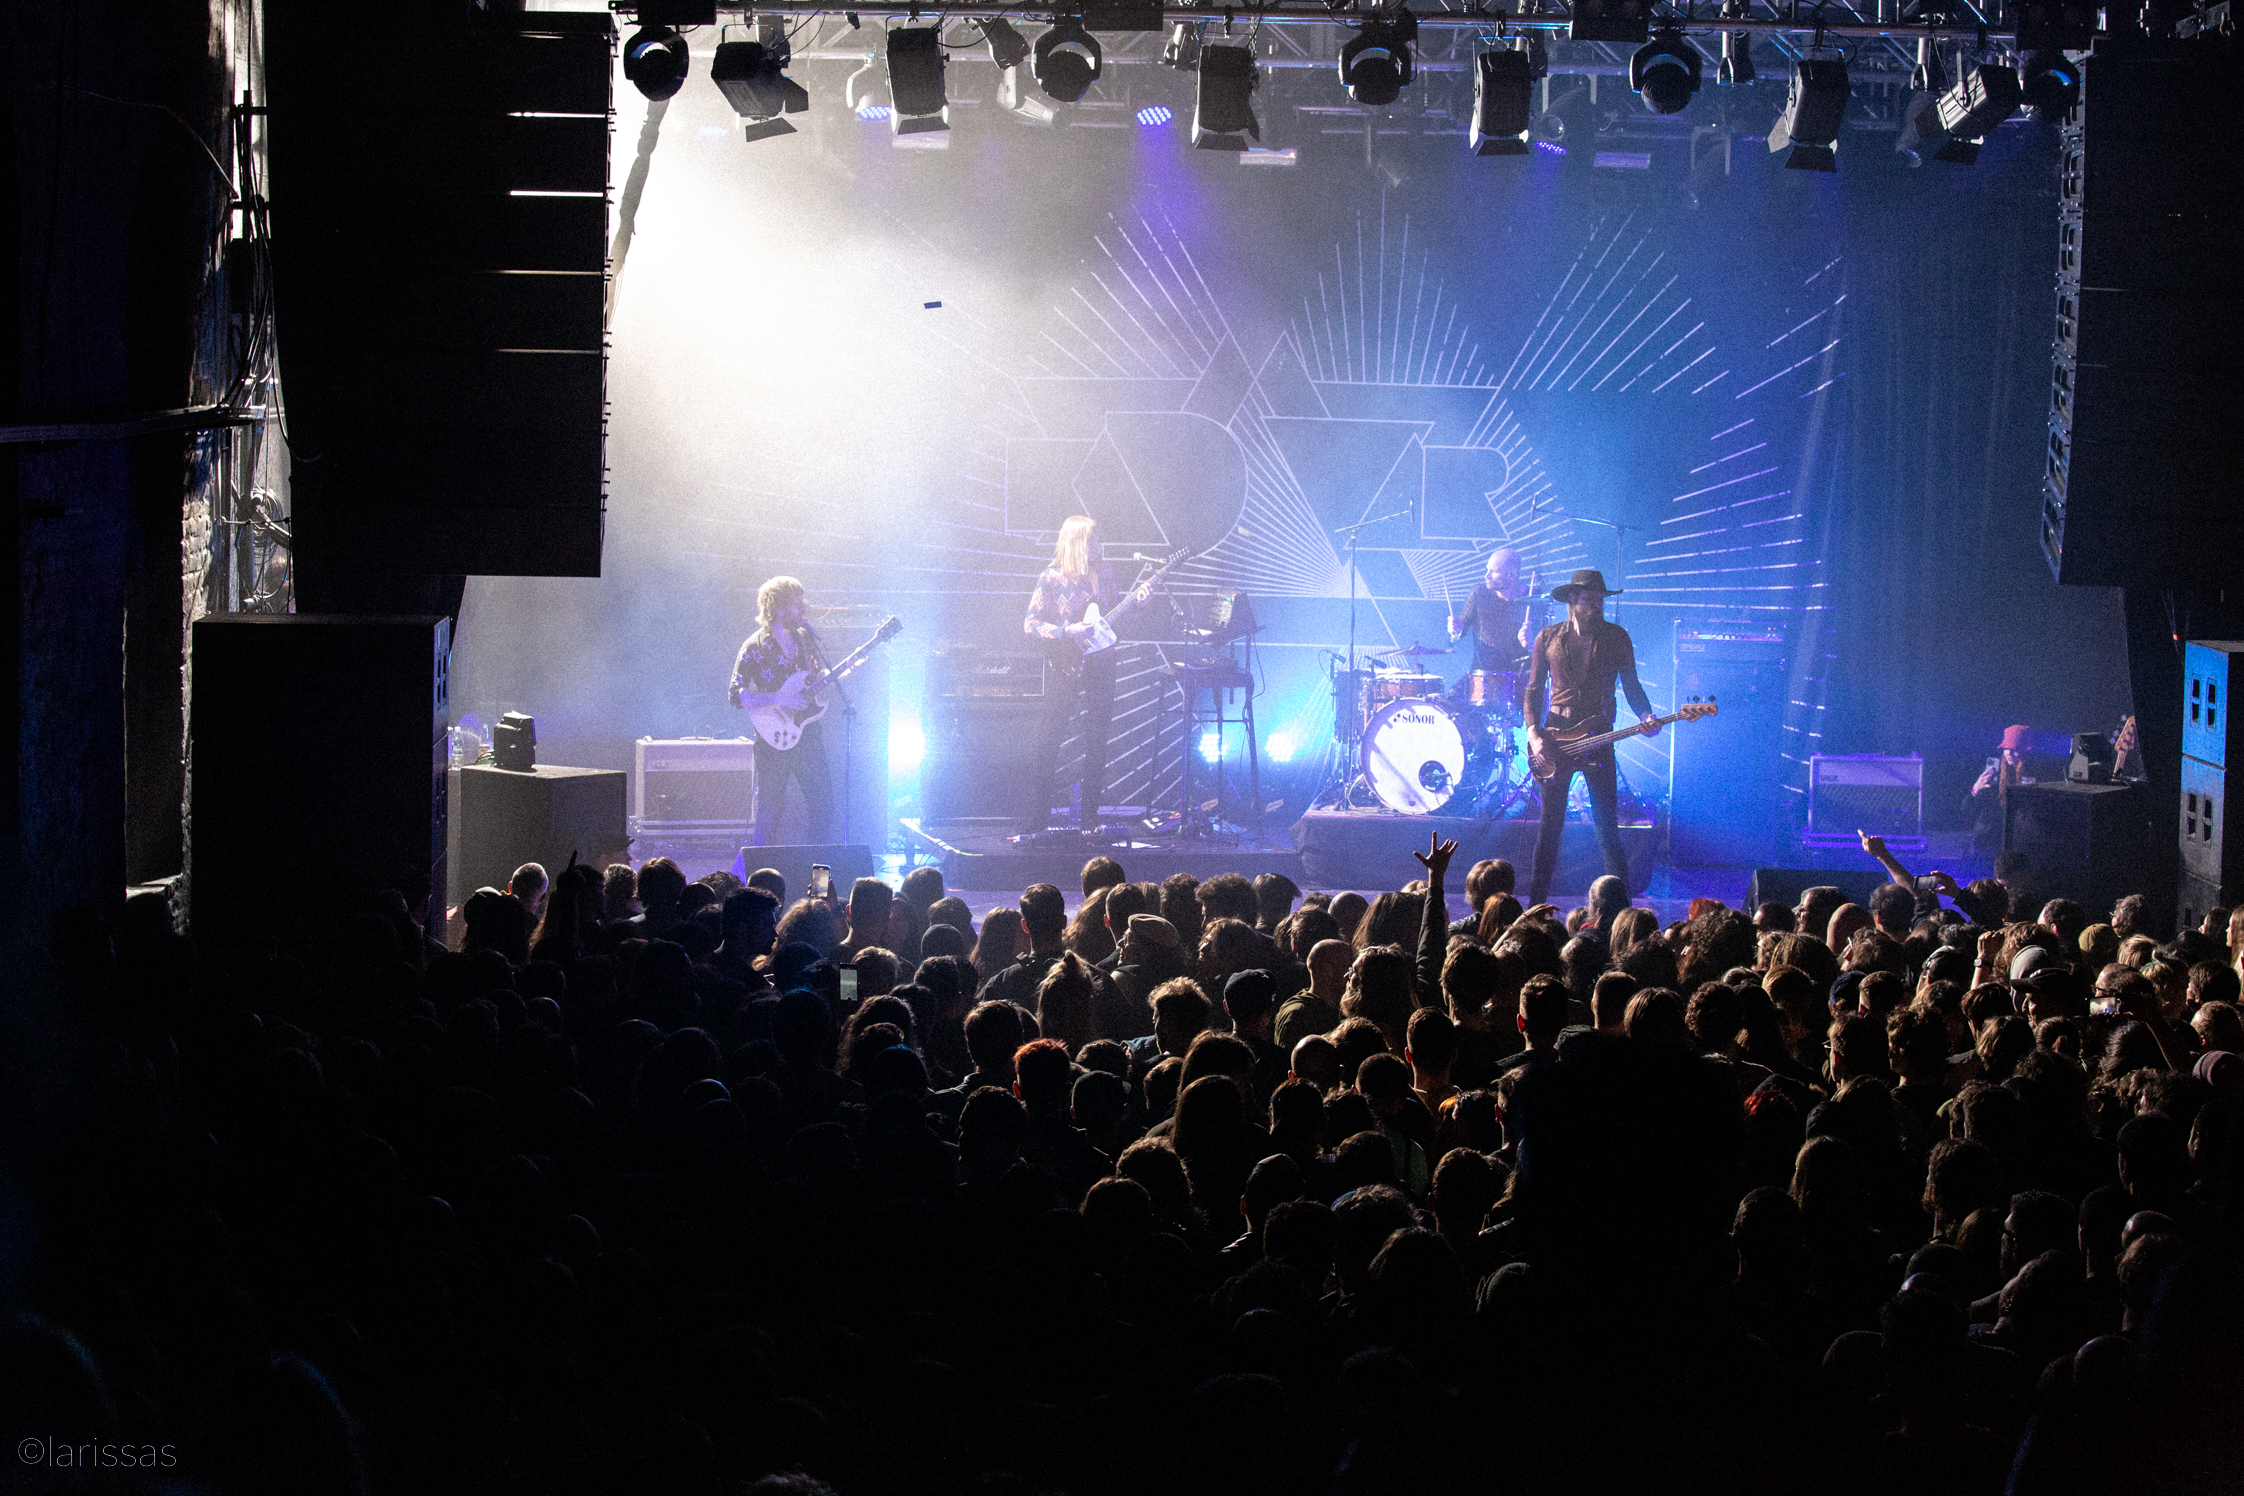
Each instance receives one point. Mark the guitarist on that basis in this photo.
(1077, 578)
(784, 645)
(1580, 661)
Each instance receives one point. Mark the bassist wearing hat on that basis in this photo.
(1580, 661)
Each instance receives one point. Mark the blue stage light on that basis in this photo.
(1211, 746)
(1155, 114)
(1280, 747)
(871, 110)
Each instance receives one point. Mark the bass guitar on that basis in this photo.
(1564, 749)
(1101, 636)
(782, 727)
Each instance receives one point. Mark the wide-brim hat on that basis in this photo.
(1593, 581)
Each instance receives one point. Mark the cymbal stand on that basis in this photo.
(1353, 743)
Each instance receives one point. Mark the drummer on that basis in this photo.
(1496, 615)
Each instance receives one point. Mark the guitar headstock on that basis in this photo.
(1691, 711)
(889, 629)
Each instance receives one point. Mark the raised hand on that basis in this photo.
(1874, 845)
(1437, 854)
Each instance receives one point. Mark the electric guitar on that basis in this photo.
(782, 727)
(1564, 748)
(1101, 635)
(2123, 743)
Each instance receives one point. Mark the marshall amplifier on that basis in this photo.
(977, 674)
(697, 785)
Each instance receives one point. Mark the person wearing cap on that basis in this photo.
(1579, 663)
(1990, 792)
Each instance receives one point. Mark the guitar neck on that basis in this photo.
(1587, 745)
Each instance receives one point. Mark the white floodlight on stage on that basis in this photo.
(1808, 130)
(1950, 126)
(1016, 99)
(1068, 59)
(1664, 72)
(915, 80)
(1223, 104)
(1503, 103)
(1376, 63)
(752, 77)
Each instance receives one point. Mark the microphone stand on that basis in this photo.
(1356, 727)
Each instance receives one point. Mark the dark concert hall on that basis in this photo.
(1119, 746)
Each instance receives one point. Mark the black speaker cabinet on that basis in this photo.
(849, 861)
(1784, 885)
(316, 765)
(2088, 842)
(979, 753)
(502, 818)
(1724, 770)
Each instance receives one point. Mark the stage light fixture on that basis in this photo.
(1153, 116)
(1623, 21)
(1665, 73)
(2050, 82)
(1736, 66)
(1981, 99)
(1808, 130)
(1008, 48)
(655, 60)
(1068, 59)
(1183, 49)
(1503, 104)
(1376, 62)
(752, 77)
(915, 80)
(1223, 104)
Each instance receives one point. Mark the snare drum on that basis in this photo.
(1422, 755)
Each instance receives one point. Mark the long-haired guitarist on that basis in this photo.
(782, 647)
(1579, 662)
(1077, 579)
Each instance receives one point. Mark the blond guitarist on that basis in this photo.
(1077, 578)
(761, 677)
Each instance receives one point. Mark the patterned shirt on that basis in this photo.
(1059, 601)
(764, 664)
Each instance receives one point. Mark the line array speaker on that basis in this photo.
(2144, 457)
(439, 187)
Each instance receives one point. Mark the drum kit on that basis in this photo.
(1426, 750)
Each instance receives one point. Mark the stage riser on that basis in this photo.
(970, 862)
(1364, 851)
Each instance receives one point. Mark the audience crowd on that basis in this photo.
(653, 1185)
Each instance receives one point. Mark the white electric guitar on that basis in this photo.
(782, 727)
(1101, 626)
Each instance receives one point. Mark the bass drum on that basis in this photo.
(1422, 756)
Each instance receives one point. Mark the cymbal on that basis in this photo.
(1415, 652)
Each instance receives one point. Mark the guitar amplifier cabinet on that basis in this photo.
(985, 675)
(1854, 792)
(694, 785)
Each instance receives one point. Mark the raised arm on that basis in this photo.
(1433, 920)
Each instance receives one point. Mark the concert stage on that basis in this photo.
(1371, 849)
(981, 855)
